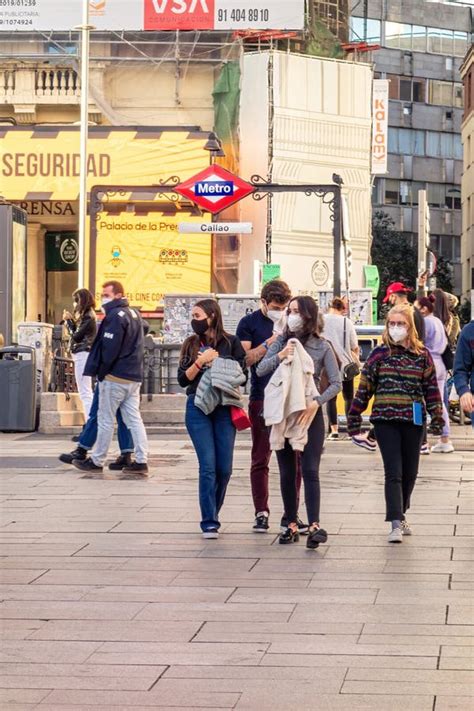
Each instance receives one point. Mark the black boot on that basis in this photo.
(86, 465)
(136, 469)
(79, 453)
(124, 460)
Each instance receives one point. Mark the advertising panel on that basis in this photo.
(153, 14)
(149, 256)
(42, 163)
(380, 126)
(18, 270)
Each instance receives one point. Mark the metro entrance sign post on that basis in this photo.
(214, 189)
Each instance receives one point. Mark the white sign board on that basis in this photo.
(379, 126)
(64, 15)
(218, 228)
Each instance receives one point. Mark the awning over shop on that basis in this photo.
(42, 162)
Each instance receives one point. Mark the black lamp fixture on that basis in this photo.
(214, 146)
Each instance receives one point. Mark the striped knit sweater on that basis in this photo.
(396, 377)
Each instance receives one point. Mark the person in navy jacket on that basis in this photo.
(464, 369)
(116, 359)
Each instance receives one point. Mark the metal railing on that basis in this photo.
(160, 369)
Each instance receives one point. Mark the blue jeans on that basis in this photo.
(89, 433)
(213, 437)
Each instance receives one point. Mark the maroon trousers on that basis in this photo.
(261, 454)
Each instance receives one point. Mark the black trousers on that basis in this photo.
(348, 395)
(399, 444)
(310, 459)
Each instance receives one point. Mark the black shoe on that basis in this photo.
(302, 527)
(86, 465)
(79, 453)
(124, 460)
(315, 537)
(261, 522)
(135, 468)
(76, 438)
(289, 536)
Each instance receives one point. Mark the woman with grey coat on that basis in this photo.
(304, 325)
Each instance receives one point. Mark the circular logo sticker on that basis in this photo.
(320, 273)
(69, 251)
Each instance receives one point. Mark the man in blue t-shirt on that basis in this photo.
(257, 332)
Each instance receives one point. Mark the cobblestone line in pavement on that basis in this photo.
(111, 599)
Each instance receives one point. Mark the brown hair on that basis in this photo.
(337, 304)
(191, 345)
(117, 287)
(277, 291)
(85, 301)
(427, 302)
(441, 306)
(415, 345)
(309, 312)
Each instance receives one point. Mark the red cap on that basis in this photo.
(396, 288)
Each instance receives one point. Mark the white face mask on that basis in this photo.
(275, 315)
(295, 323)
(398, 333)
(106, 300)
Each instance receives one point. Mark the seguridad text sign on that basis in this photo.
(153, 14)
(380, 127)
(42, 162)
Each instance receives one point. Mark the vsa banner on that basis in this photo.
(148, 255)
(64, 15)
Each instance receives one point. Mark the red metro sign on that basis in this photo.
(215, 188)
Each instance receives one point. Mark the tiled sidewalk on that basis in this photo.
(111, 599)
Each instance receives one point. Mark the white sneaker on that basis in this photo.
(395, 536)
(425, 449)
(442, 448)
(406, 529)
(211, 533)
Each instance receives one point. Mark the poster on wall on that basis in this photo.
(148, 255)
(360, 304)
(153, 14)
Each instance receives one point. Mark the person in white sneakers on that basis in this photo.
(436, 342)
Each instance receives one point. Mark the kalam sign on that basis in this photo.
(215, 188)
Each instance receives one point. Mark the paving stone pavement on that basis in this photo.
(111, 600)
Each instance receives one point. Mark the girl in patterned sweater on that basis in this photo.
(401, 377)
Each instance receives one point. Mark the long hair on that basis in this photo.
(441, 307)
(427, 302)
(85, 302)
(414, 343)
(191, 345)
(309, 312)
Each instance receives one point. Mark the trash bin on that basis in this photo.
(17, 389)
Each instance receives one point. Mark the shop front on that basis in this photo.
(39, 171)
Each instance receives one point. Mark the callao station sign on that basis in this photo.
(214, 189)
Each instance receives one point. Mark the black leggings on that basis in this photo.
(348, 395)
(310, 458)
(399, 444)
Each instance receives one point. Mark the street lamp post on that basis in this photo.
(85, 28)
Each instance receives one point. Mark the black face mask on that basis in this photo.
(199, 326)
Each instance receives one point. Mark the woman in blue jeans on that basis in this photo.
(213, 435)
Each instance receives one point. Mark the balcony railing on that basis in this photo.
(57, 82)
(7, 82)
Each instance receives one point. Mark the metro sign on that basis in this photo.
(215, 188)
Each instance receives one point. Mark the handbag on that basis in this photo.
(350, 370)
(447, 357)
(239, 418)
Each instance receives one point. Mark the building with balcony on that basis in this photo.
(467, 186)
(422, 48)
